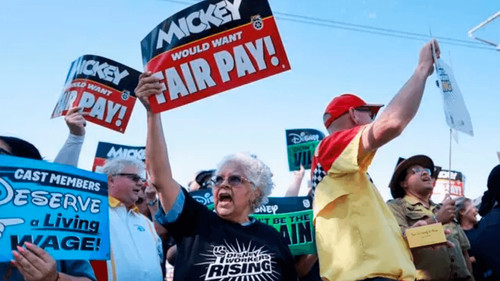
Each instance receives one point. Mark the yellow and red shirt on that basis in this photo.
(357, 235)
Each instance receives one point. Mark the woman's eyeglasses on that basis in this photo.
(232, 181)
(133, 177)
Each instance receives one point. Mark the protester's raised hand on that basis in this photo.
(151, 186)
(426, 60)
(299, 175)
(148, 85)
(75, 119)
(447, 211)
(150, 191)
(34, 263)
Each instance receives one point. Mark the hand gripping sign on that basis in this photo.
(103, 88)
(62, 209)
(211, 47)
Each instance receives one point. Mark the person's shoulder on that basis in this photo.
(144, 218)
(337, 141)
(271, 236)
(200, 210)
(261, 225)
(192, 202)
(398, 205)
(343, 134)
(396, 202)
(490, 220)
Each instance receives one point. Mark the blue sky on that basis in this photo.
(41, 38)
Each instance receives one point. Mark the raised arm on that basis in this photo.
(158, 164)
(70, 152)
(403, 106)
(294, 188)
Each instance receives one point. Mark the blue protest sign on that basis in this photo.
(62, 209)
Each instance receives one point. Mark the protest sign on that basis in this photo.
(106, 150)
(102, 87)
(451, 182)
(62, 209)
(455, 111)
(293, 218)
(290, 216)
(211, 47)
(300, 144)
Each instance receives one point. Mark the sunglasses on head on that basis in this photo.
(133, 177)
(232, 181)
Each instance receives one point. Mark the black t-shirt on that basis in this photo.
(211, 248)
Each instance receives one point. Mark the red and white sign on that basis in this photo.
(451, 182)
(196, 57)
(101, 87)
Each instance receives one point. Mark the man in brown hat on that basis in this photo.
(411, 186)
(357, 235)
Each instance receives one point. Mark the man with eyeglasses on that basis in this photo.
(136, 249)
(357, 236)
(411, 186)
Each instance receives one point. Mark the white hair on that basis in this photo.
(255, 171)
(116, 165)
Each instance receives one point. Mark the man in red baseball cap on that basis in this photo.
(344, 103)
(357, 236)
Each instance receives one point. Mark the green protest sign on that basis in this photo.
(301, 144)
(292, 217)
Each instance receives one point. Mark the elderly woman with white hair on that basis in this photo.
(226, 244)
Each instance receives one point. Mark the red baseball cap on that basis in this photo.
(341, 104)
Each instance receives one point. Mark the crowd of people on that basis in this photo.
(155, 223)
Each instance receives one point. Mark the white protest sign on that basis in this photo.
(455, 111)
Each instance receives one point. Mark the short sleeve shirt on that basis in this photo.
(433, 264)
(211, 248)
(355, 230)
